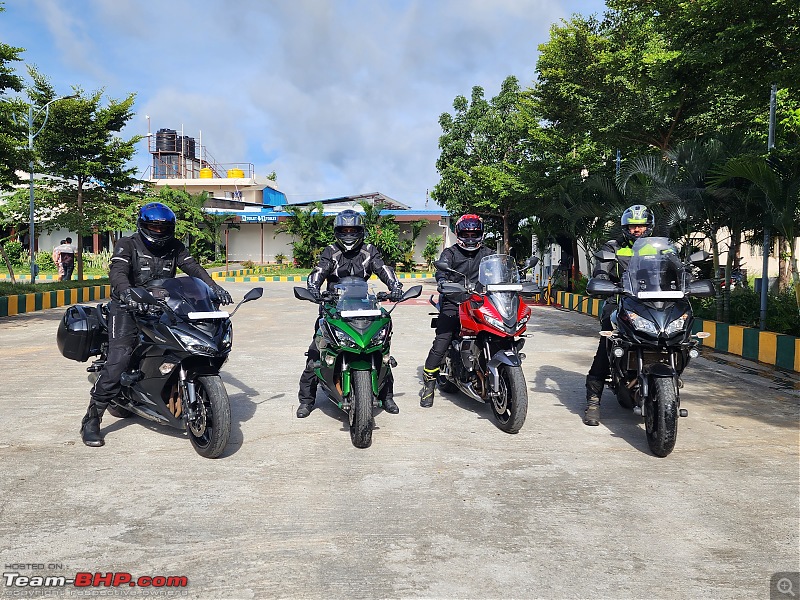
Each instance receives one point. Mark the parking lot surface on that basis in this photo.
(442, 505)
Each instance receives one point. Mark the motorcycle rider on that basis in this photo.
(349, 256)
(465, 257)
(636, 221)
(149, 254)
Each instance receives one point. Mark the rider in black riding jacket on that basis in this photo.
(149, 254)
(465, 257)
(349, 256)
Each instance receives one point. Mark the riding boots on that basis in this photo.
(90, 426)
(428, 386)
(594, 389)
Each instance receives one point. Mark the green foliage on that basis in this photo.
(432, 250)
(311, 231)
(483, 152)
(45, 261)
(13, 140)
(14, 252)
(280, 258)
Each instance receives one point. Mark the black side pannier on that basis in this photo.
(79, 333)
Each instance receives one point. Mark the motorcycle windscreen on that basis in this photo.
(354, 298)
(499, 275)
(185, 295)
(655, 271)
(498, 270)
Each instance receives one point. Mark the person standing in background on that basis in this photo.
(66, 259)
(57, 260)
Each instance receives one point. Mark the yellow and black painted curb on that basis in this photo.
(26, 303)
(775, 349)
(249, 275)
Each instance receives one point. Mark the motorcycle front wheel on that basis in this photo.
(210, 429)
(510, 407)
(661, 417)
(361, 421)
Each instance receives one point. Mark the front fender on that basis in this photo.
(501, 357)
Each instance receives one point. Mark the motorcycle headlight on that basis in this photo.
(642, 324)
(193, 344)
(227, 339)
(677, 325)
(344, 339)
(494, 322)
(380, 337)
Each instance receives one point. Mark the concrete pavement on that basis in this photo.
(443, 505)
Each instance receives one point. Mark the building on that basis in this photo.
(255, 204)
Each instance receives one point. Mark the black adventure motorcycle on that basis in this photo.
(173, 375)
(652, 342)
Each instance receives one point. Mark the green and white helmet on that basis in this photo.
(638, 214)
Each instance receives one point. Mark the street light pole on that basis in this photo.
(31, 136)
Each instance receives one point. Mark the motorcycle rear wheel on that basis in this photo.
(361, 418)
(211, 429)
(511, 407)
(661, 417)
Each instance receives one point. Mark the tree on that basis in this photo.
(311, 231)
(13, 147)
(482, 154)
(87, 161)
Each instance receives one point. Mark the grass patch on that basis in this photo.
(12, 289)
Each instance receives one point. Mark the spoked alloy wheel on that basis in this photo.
(361, 420)
(661, 417)
(510, 407)
(211, 427)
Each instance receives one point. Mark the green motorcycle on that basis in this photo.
(353, 339)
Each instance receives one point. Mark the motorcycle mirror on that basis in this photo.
(699, 256)
(443, 266)
(253, 294)
(302, 293)
(701, 287)
(602, 287)
(531, 262)
(530, 288)
(142, 295)
(413, 292)
(605, 256)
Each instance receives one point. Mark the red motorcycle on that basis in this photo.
(484, 360)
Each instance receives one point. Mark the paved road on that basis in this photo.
(443, 505)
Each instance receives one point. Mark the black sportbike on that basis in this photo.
(173, 375)
(652, 342)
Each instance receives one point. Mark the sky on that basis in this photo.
(338, 97)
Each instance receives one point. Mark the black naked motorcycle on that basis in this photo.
(652, 342)
(173, 375)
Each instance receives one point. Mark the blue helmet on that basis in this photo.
(156, 225)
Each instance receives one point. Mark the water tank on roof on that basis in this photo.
(166, 140)
(187, 146)
(234, 173)
(206, 173)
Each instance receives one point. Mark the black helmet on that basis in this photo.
(156, 225)
(348, 230)
(638, 214)
(469, 232)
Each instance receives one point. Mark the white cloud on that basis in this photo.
(337, 96)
